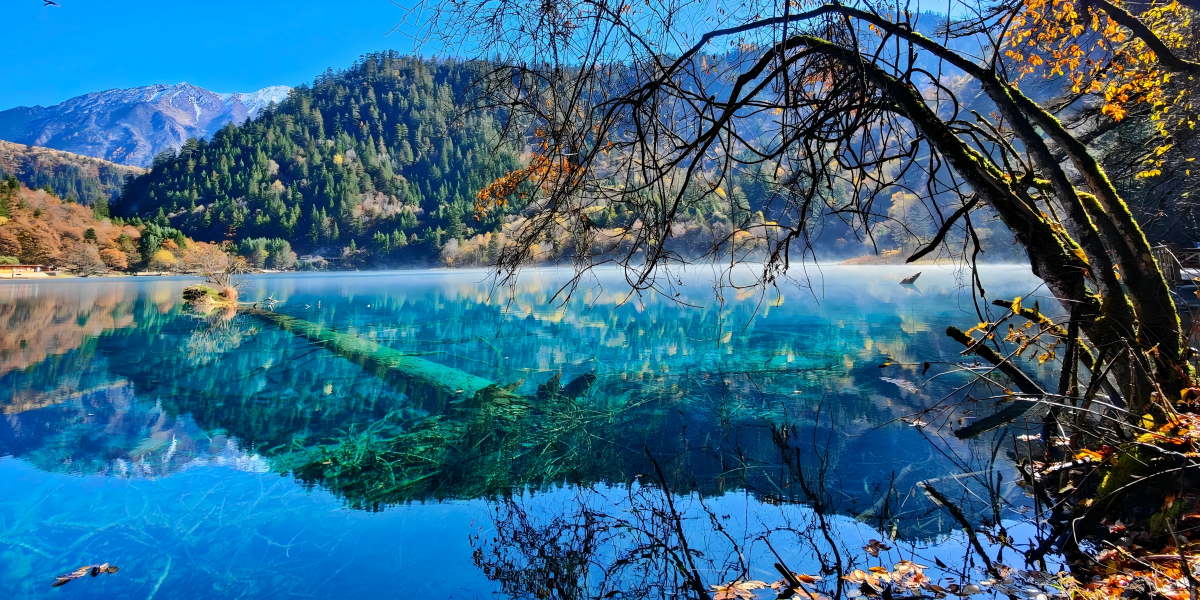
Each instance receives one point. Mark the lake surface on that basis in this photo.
(220, 456)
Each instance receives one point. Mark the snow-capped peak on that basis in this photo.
(257, 100)
(100, 123)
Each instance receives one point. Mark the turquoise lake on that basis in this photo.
(219, 456)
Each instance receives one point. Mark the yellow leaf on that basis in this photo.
(1016, 305)
(721, 192)
(1079, 253)
(979, 327)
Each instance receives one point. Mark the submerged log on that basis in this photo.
(1018, 407)
(577, 387)
(406, 371)
(1014, 410)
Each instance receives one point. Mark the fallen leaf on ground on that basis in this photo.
(737, 589)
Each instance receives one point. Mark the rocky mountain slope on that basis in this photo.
(131, 126)
(82, 178)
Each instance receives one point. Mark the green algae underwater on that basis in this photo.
(421, 431)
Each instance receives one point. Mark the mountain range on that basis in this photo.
(132, 126)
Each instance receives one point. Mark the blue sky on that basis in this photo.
(54, 53)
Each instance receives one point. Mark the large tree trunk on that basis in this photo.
(1139, 315)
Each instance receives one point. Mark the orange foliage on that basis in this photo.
(9, 244)
(1116, 568)
(545, 172)
(1058, 38)
(163, 260)
(32, 330)
(41, 228)
(1181, 434)
(115, 259)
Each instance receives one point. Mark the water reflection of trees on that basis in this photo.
(649, 540)
(713, 424)
(35, 327)
(633, 545)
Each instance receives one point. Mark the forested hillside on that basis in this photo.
(380, 162)
(73, 176)
(37, 227)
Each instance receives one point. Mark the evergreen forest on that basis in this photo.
(381, 161)
(381, 165)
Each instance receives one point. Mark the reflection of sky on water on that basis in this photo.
(215, 533)
(123, 415)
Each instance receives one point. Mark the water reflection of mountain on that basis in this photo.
(714, 398)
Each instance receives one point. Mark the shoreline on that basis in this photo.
(65, 276)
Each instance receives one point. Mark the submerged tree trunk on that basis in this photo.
(423, 380)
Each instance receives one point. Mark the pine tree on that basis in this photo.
(314, 229)
(382, 242)
(455, 228)
(493, 247)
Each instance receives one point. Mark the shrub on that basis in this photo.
(280, 254)
(84, 260)
(257, 258)
(115, 259)
(193, 293)
(162, 260)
